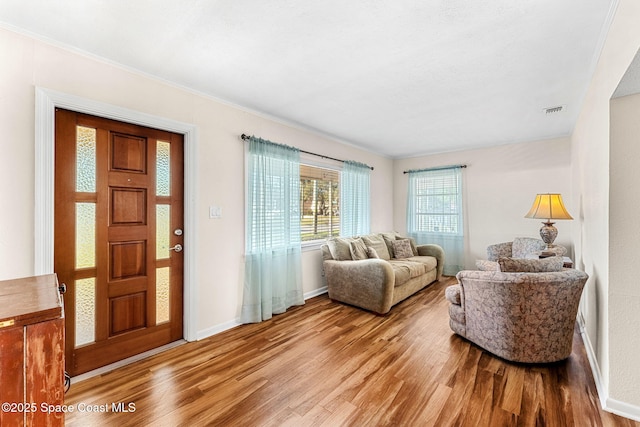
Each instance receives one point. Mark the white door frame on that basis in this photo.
(46, 102)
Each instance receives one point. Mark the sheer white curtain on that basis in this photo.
(435, 212)
(355, 204)
(273, 259)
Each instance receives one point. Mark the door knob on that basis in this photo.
(177, 248)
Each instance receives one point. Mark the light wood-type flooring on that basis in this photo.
(329, 364)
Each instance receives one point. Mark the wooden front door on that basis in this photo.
(118, 236)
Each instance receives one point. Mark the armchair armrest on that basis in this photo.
(435, 251)
(364, 283)
(454, 294)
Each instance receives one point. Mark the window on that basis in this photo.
(319, 202)
(435, 213)
(320, 205)
(438, 205)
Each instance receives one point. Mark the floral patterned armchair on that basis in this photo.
(521, 247)
(521, 317)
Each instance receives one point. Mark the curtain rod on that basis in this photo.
(245, 137)
(436, 168)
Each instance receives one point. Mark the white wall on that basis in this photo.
(500, 184)
(624, 237)
(27, 63)
(604, 237)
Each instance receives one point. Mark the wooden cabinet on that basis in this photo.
(31, 352)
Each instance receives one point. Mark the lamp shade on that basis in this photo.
(548, 206)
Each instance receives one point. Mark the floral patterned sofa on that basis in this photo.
(521, 316)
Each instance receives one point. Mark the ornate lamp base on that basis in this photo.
(548, 233)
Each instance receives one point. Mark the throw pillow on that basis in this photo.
(402, 248)
(358, 249)
(340, 248)
(377, 243)
(414, 247)
(514, 265)
(485, 265)
(371, 253)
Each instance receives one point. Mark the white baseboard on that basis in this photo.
(622, 408)
(607, 403)
(593, 362)
(315, 293)
(206, 333)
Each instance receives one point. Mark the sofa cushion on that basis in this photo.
(405, 269)
(377, 242)
(371, 253)
(389, 238)
(401, 273)
(523, 246)
(340, 248)
(326, 253)
(513, 265)
(486, 265)
(402, 248)
(358, 249)
(429, 262)
(408, 268)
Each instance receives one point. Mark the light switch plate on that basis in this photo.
(215, 212)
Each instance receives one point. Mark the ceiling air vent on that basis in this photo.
(554, 110)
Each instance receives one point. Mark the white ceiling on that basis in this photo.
(400, 78)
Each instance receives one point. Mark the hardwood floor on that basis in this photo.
(329, 364)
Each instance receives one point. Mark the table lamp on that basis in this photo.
(548, 206)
